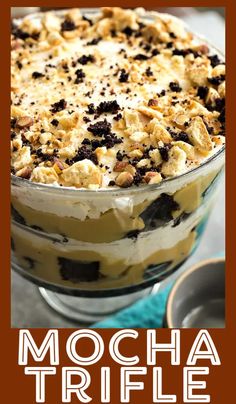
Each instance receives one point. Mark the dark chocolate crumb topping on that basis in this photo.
(58, 106)
(55, 122)
(216, 80)
(141, 56)
(19, 64)
(108, 107)
(84, 60)
(128, 31)
(202, 92)
(100, 128)
(118, 117)
(175, 87)
(123, 76)
(80, 75)
(37, 75)
(182, 136)
(164, 152)
(94, 41)
(88, 20)
(68, 25)
(215, 60)
(148, 72)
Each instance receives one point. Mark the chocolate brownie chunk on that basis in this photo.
(30, 262)
(16, 216)
(78, 271)
(159, 211)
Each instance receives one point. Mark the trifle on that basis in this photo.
(117, 145)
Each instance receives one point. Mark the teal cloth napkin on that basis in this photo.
(146, 313)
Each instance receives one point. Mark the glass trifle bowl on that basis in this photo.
(108, 243)
(94, 251)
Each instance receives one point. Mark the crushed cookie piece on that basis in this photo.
(199, 135)
(24, 122)
(24, 173)
(153, 103)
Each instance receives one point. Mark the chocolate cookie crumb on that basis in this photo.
(216, 80)
(202, 92)
(140, 56)
(175, 87)
(123, 76)
(164, 152)
(107, 106)
(100, 128)
(58, 106)
(55, 122)
(37, 75)
(84, 60)
(68, 25)
(215, 60)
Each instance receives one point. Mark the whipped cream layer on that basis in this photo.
(127, 249)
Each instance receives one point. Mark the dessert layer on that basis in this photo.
(98, 268)
(122, 219)
(112, 100)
